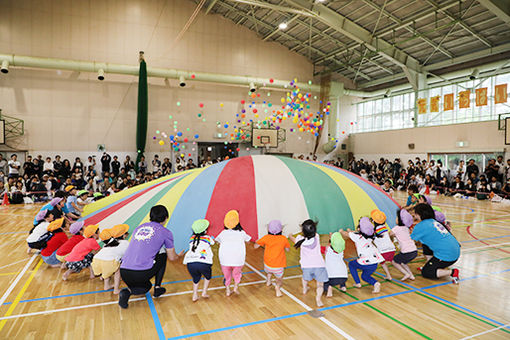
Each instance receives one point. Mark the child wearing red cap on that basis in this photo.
(274, 254)
(368, 255)
(81, 255)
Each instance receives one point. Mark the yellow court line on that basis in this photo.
(20, 294)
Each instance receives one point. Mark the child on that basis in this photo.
(408, 250)
(82, 253)
(49, 253)
(72, 201)
(39, 235)
(232, 252)
(382, 240)
(335, 265)
(199, 257)
(368, 255)
(311, 261)
(387, 187)
(411, 190)
(49, 206)
(274, 254)
(107, 261)
(82, 200)
(76, 230)
(441, 218)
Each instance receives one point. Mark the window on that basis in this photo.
(398, 111)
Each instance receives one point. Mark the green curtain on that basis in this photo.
(141, 122)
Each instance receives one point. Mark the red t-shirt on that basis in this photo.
(69, 245)
(82, 249)
(54, 243)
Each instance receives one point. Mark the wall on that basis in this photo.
(481, 136)
(74, 112)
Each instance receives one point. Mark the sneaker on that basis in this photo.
(159, 291)
(455, 276)
(419, 269)
(124, 298)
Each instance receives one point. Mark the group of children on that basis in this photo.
(372, 239)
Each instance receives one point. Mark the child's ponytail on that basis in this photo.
(196, 240)
(309, 229)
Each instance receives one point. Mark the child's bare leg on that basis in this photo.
(318, 295)
(91, 273)
(305, 286)
(29, 250)
(116, 282)
(268, 281)
(204, 291)
(107, 284)
(195, 291)
(66, 274)
(330, 291)
(409, 271)
(387, 271)
(279, 283)
(401, 269)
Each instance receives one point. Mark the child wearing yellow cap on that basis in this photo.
(382, 240)
(81, 256)
(107, 261)
(232, 252)
(199, 257)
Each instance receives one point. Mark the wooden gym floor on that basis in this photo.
(36, 304)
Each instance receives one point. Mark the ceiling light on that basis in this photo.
(283, 26)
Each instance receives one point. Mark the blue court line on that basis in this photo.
(450, 302)
(412, 290)
(109, 290)
(155, 317)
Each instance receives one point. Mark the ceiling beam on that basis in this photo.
(210, 6)
(408, 21)
(359, 34)
(272, 7)
(409, 29)
(286, 35)
(461, 23)
(500, 8)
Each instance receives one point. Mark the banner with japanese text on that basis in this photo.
(500, 94)
(422, 105)
(481, 96)
(464, 99)
(448, 102)
(434, 104)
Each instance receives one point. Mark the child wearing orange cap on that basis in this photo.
(49, 253)
(81, 256)
(382, 240)
(107, 261)
(275, 261)
(232, 252)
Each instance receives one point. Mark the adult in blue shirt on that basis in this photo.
(444, 246)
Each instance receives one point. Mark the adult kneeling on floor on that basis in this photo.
(146, 255)
(444, 246)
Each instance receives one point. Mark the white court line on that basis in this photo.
(10, 264)
(51, 311)
(305, 306)
(15, 282)
(488, 331)
(487, 246)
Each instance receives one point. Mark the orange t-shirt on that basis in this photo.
(274, 254)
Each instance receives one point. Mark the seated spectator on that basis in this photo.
(470, 188)
(457, 187)
(495, 185)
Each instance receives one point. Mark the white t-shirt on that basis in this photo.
(48, 166)
(384, 243)
(202, 253)
(13, 170)
(367, 251)
(232, 247)
(38, 231)
(335, 264)
(112, 253)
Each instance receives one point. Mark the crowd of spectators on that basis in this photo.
(38, 178)
(466, 180)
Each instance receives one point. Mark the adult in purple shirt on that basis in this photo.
(146, 255)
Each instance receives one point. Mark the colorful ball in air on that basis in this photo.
(201, 105)
(196, 136)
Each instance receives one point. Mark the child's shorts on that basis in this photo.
(405, 258)
(105, 268)
(319, 274)
(52, 259)
(77, 266)
(337, 281)
(197, 269)
(62, 258)
(278, 272)
(388, 257)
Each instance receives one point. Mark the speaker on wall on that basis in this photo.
(410, 146)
